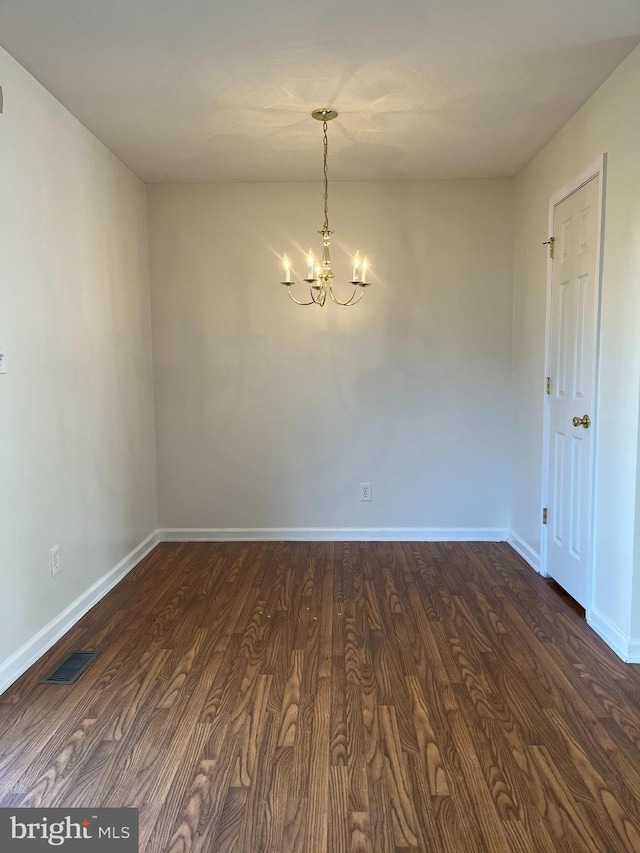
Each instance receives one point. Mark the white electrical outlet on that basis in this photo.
(365, 491)
(54, 560)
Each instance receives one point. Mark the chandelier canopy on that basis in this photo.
(320, 276)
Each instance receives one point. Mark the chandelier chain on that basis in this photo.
(326, 177)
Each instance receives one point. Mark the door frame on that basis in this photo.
(598, 167)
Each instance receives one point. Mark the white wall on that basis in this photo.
(270, 415)
(77, 464)
(608, 122)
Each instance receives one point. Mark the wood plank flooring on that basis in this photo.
(337, 697)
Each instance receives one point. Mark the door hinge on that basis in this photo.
(550, 243)
(544, 515)
(547, 385)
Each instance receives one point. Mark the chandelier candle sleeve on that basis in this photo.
(356, 268)
(311, 265)
(287, 271)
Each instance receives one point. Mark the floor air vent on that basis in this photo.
(71, 668)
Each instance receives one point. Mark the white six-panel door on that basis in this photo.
(572, 365)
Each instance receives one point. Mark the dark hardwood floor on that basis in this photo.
(336, 697)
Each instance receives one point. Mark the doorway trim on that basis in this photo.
(597, 168)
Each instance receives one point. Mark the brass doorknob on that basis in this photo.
(584, 421)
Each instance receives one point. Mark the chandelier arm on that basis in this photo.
(297, 301)
(322, 297)
(349, 302)
(353, 301)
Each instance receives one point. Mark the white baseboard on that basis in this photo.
(34, 648)
(333, 534)
(628, 650)
(526, 551)
(633, 653)
(613, 636)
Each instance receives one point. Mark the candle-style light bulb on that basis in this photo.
(287, 270)
(364, 270)
(310, 264)
(356, 267)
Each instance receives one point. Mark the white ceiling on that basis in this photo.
(205, 90)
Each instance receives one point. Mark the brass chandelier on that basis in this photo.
(320, 276)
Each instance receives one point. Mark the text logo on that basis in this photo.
(87, 830)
